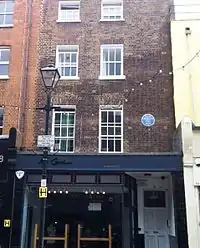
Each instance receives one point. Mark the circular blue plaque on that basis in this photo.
(148, 120)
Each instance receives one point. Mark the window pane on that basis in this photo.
(70, 147)
(57, 118)
(106, 73)
(104, 145)
(64, 118)
(9, 19)
(1, 19)
(118, 145)
(105, 55)
(104, 131)
(112, 55)
(67, 57)
(73, 58)
(118, 131)
(67, 72)
(110, 145)
(3, 70)
(2, 7)
(64, 132)
(61, 57)
(9, 6)
(111, 69)
(63, 145)
(57, 144)
(4, 55)
(110, 130)
(62, 71)
(57, 132)
(1, 117)
(154, 199)
(110, 116)
(103, 116)
(71, 118)
(70, 131)
(118, 55)
(118, 69)
(117, 116)
(73, 71)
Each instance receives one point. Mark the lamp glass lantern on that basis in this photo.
(50, 77)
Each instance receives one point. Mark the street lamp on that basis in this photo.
(50, 77)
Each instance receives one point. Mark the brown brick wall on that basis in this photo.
(17, 94)
(10, 89)
(145, 35)
(32, 78)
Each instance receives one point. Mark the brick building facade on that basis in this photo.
(13, 26)
(19, 30)
(114, 58)
(144, 34)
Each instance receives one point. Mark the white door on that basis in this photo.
(155, 219)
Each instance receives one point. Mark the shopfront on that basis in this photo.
(102, 207)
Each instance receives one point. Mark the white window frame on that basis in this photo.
(4, 62)
(112, 77)
(64, 109)
(107, 2)
(68, 3)
(114, 108)
(68, 47)
(7, 13)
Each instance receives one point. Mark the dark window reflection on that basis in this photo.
(154, 199)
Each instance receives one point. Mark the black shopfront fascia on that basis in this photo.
(135, 162)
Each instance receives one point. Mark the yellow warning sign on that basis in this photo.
(43, 192)
(6, 223)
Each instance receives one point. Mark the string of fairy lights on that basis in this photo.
(150, 79)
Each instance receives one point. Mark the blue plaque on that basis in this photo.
(148, 120)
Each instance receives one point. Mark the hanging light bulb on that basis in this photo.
(60, 191)
(92, 192)
(150, 80)
(141, 84)
(49, 191)
(97, 193)
(160, 70)
(54, 192)
(66, 192)
(103, 192)
(86, 192)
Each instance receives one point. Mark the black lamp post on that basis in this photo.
(50, 78)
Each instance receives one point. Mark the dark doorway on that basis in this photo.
(92, 212)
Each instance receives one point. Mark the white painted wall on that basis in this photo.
(191, 209)
(187, 9)
(191, 141)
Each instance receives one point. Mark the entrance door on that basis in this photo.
(155, 219)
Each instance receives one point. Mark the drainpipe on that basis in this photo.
(24, 79)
